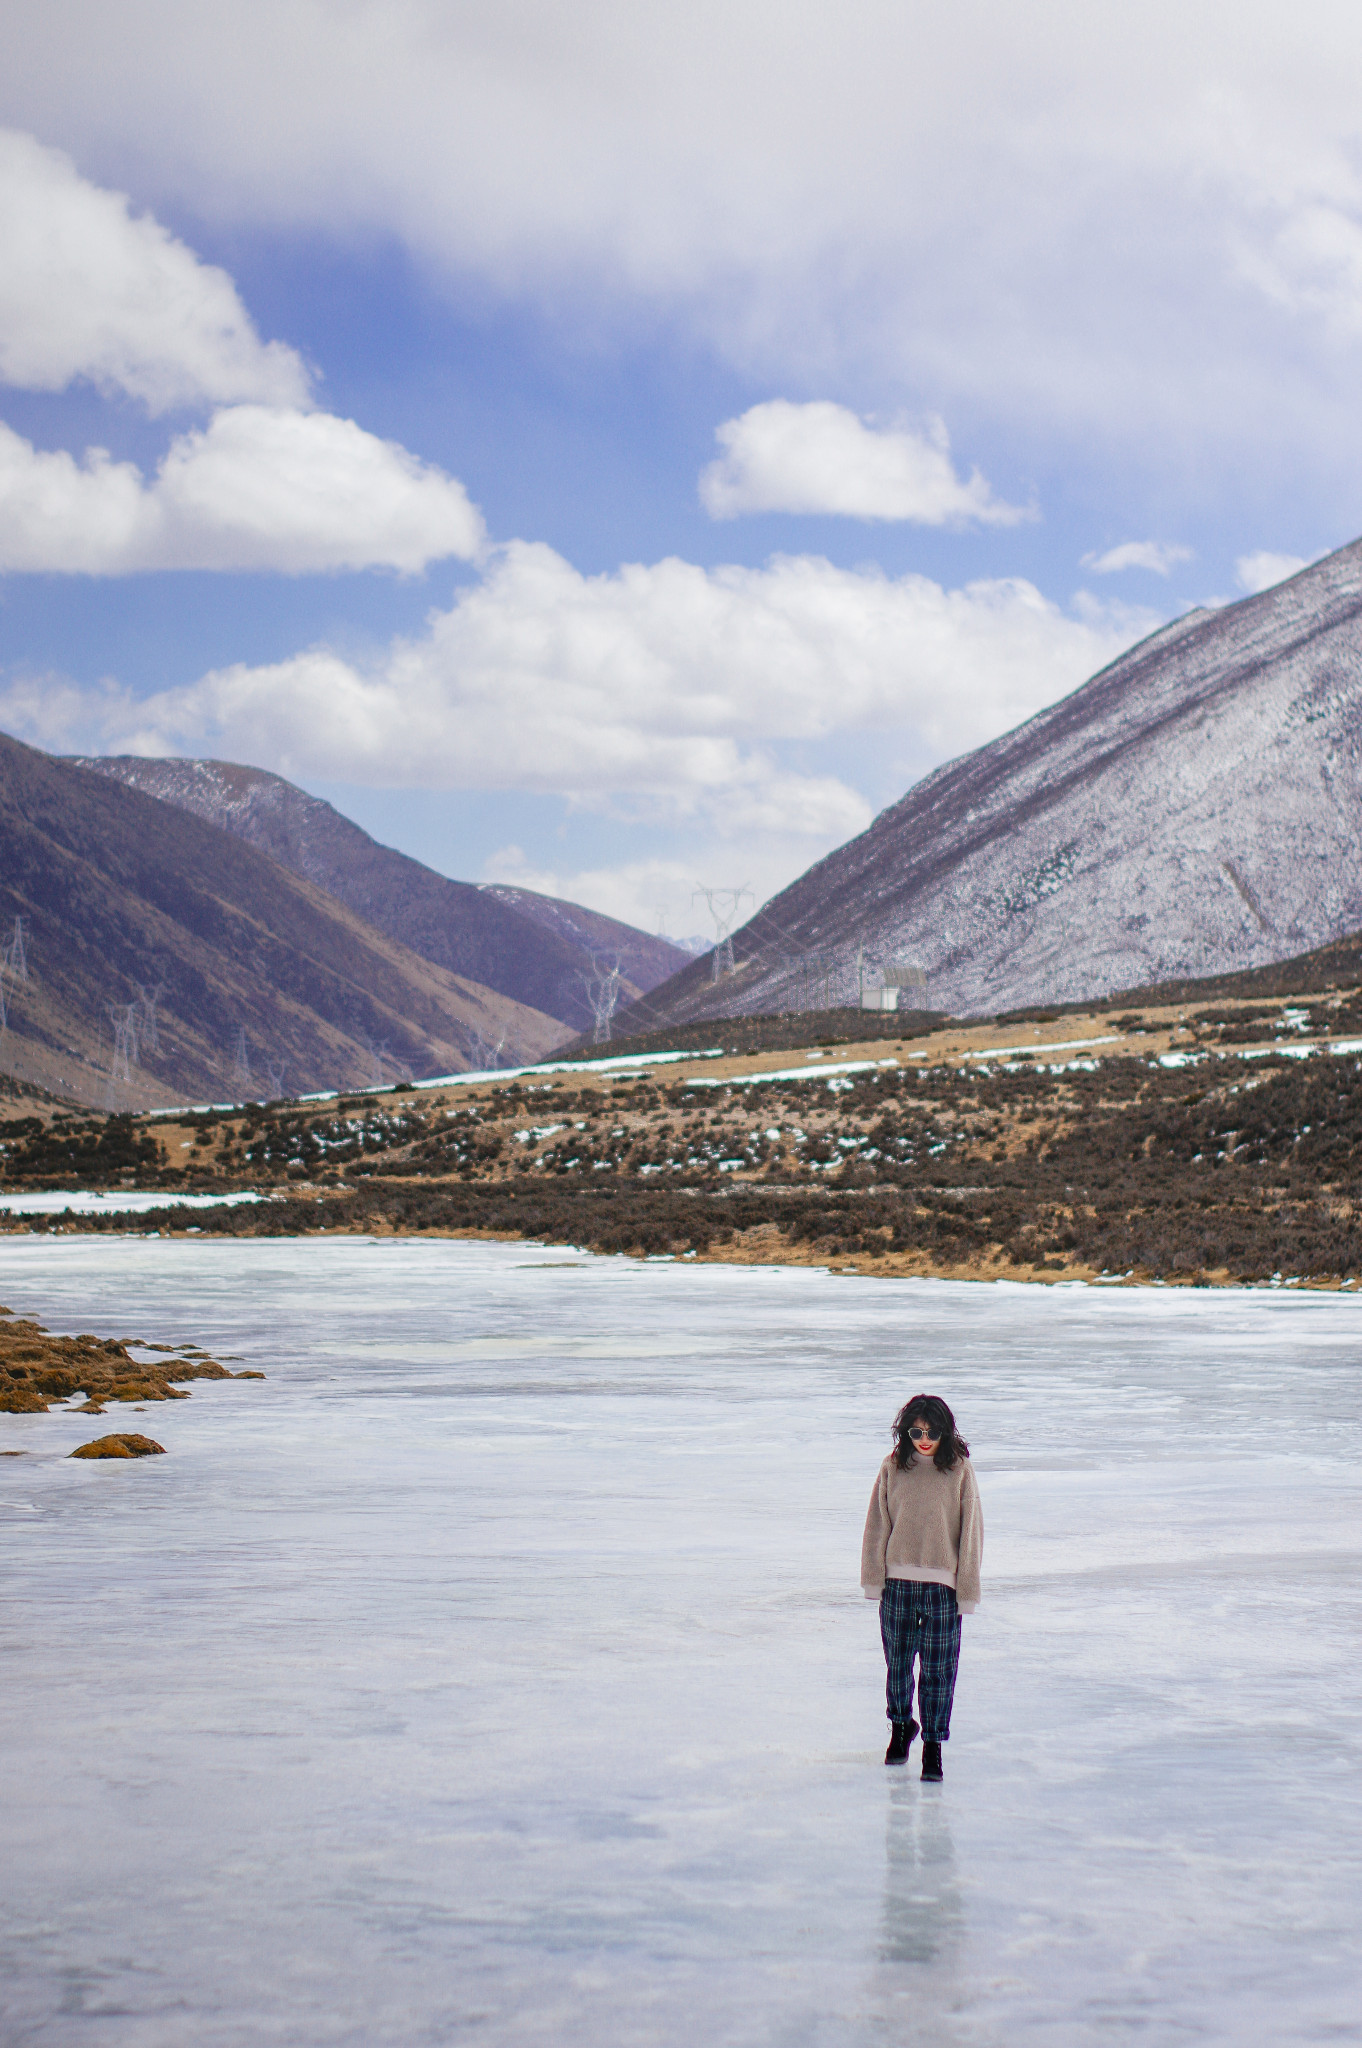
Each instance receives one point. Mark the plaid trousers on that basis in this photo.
(920, 1620)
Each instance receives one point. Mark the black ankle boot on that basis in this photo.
(931, 1763)
(903, 1733)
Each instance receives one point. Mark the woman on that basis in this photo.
(924, 1539)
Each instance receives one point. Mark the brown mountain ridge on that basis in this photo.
(536, 949)
(165, 960)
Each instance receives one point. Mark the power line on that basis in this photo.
(378, 1053)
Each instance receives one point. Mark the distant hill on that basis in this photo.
(1193, 811)
(643, 959)
(165, 961)
(532, 948)
(1337, 965)
(1328, 968)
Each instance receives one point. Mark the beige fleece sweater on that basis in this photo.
(924, 1524)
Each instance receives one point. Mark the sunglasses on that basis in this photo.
(922, 1435)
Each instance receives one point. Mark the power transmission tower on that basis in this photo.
(276, 1080)
(241, 1064)
(724, 905)
(13, 965)
(602, 987)
(486, 1056)
(16, 957)
(123, 1017)
(147, 1000)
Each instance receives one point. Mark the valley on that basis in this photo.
(1192, 1141)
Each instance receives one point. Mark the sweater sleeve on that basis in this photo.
(875, 1542)
(971, 1544)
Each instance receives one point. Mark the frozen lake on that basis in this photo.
(496, 1670)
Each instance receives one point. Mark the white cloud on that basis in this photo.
(1111, 224)
(1310, 260)
(258, 488)
(90, 290)
(1160, 556)
(820, 457)
(646, 893)
(666, 692)
(1261, 570)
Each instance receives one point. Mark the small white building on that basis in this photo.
(898, 975)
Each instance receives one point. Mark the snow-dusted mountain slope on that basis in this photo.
(1193, 809)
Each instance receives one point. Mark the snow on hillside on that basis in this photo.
(1193, 809)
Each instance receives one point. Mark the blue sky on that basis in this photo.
(1018, 334)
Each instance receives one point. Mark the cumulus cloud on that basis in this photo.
(820, 457)
(664, 692)
(258, 488)
(1261, 570)
(88, 289)
(1160, 556)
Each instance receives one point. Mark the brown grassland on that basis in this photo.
(1195, 1141)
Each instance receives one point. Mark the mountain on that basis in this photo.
(532, 948)
(644, 961)
(1195, 809)
(163, 961)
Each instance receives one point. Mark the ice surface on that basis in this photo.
(495, 1671)
(792, 1073)
(609, 1064)
(90, 1201)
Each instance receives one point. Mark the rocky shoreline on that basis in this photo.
(37, 1369)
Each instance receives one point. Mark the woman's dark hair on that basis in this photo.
(931, 1410)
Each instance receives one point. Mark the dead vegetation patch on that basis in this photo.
(129, 1445)
(37, 1368)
